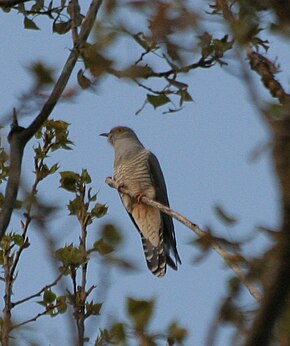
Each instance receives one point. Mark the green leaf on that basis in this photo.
(177, 334)
(69, 180)
(111, 234)
(61, 304)
(48, 296)
(93, 309)
(119, 332)
(157, 101)
(18, 239)
(99, 210)
(70, 256)
(86, 178)
(29, 24)
(75, 205)
(140, 311)
(103, 248)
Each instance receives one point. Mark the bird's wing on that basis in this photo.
(167, 223)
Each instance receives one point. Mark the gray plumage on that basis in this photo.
(138, 170)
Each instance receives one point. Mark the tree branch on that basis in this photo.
(11, 3)
(37, 294)
(20, 137)
(277, 293)
(266, 70)
(226, 256)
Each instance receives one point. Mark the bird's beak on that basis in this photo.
(104, 134)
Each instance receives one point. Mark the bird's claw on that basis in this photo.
(139, 196)
(120, 186)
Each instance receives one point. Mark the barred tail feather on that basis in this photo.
(155, 257)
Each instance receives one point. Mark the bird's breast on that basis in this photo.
(134, 174)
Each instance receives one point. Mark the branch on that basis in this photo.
(277, 292)
(266, 70)
(226, 256)
(20, 137)
(11, 3)
(37, 294)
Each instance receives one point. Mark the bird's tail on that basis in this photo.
(155, 257)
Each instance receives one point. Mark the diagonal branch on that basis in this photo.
(226, 256)
(20, 136)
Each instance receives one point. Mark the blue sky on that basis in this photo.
(204, 152)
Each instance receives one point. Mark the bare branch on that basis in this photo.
(226, 256)
(19, 137)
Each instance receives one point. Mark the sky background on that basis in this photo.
(204, 151)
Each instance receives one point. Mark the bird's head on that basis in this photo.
(120, 133)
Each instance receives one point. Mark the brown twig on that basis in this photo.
(20, 137)
(226, 256)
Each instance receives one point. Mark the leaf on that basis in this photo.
(42, 73)
(61, 304)
(75, 206)
(111, 234)
(61, 28)
(94, 61)
(48, 296)
(93, 309)
(136, 72)
(99, 210)
(18, 239)
(70, 256)
(103, 248)
(29, 24)
(157, 101)
(224, 216)
(177, 333)
(83, 81)
(69, 180)
(86, 178)
(140, 311)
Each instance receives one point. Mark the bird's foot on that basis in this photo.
(120, 186)
(139, 196)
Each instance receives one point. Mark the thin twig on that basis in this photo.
(37, 294)
(226, 256)
(33, 319)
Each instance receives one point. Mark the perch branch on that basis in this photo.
(226, 256)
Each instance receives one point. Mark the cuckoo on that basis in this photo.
(137, 169)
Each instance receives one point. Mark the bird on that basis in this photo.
(138, 170)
